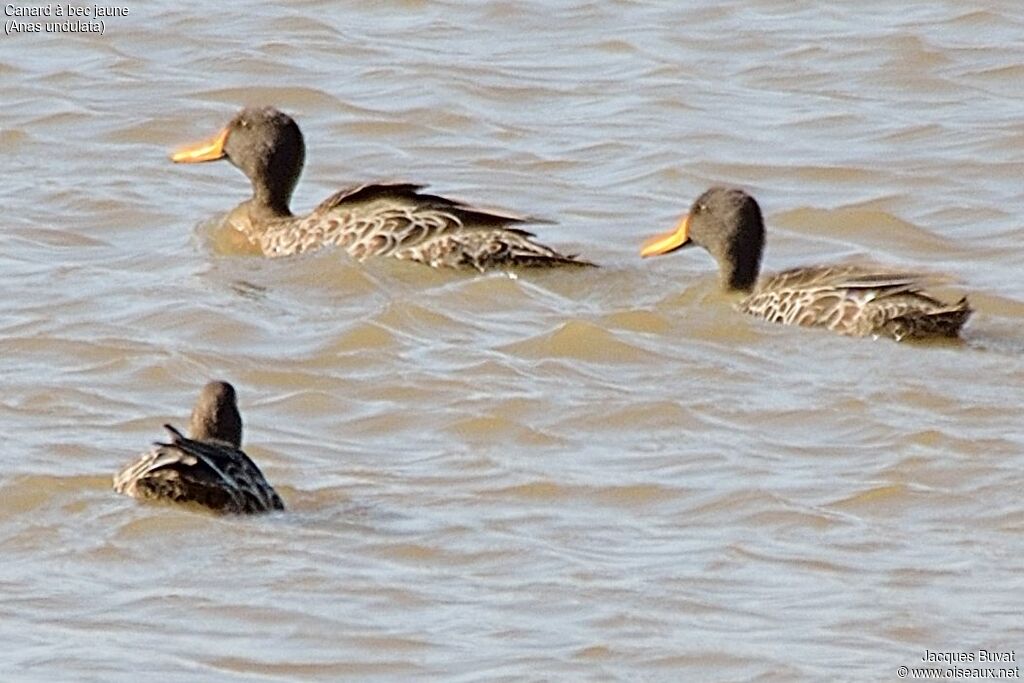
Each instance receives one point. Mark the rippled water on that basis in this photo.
(569, 475)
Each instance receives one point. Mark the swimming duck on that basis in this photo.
(207, 468)
(377, 219)
(849, 299)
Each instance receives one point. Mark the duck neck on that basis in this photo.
(739, 258)
(740, 274)
(223, 425)
(269, 201)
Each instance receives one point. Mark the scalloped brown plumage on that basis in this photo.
(850, 299)
(392, 219)
(209, 470)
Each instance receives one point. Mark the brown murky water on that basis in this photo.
(569, 475)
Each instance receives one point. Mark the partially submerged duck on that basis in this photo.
(378, 219)
(207, 468)
(849, 299)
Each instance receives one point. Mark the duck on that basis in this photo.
(851, 299)
(206, 468)
(395, 219)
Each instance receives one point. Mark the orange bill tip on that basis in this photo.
(207, 150)
(666, 242)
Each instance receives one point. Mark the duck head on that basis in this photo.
(265, 144)
(727, 223)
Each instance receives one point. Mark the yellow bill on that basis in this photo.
(207, 150)
(667, 241)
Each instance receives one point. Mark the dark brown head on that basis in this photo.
(266, 145)
(215, 416)
(727, 222)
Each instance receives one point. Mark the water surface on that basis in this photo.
(568, 475)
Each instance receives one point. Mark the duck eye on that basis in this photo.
(702, 207)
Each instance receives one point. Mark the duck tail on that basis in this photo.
(553, 259)
(942, 321)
